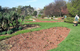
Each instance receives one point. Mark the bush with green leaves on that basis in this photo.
(4, 32)
(8, 19)
(1, 33)
(70, 20)
(39, 15)
(42, 16)
(20, 28)
(10, 32)
(79, 21)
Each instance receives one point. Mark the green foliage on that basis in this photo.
(74, 7)
(39, 15)
(27, 17)
(14, 29)
(69, 19)
(35, 13)
(4, 32)
(9, 19)
(10, 32)
(0, 15)
(0, 33)
(42, 16)
(28, 20)
(14, 23)
(79, 21)
(10, 24)
(20, 28)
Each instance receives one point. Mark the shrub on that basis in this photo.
(39, 15)
(10, 32)
(42, 16)
(79, 21)
(51, 17)
(19, 28)
(4, 32)
(69, 19)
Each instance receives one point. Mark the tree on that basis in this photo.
(55, 8)
(49, 9)
(0, 8)
(64, 10)
(58, 5)
(73, 7)
(19, 9)
(35, 13)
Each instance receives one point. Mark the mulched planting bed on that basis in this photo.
(42, 40)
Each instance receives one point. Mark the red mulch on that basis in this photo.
(42, 40)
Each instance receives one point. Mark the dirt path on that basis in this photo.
(42, 40)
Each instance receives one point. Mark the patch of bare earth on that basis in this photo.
(42, 40)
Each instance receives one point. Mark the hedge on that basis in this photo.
(70, 20)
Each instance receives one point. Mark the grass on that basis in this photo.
(71, 42)
(28, 20)
(49, 20)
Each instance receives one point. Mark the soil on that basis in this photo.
(42, 40)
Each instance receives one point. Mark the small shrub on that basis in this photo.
(20, 28)
(69, 20)
(42, 16)
(51, 17)
(79, 21)
(10, 32)
(14, 29)
(4, 32)
(39, 15)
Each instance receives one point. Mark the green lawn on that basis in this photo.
(71, 43)
(49, 20)
(28, 20)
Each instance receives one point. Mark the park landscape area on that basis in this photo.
(26, 29)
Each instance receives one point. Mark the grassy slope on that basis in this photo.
(71, 43)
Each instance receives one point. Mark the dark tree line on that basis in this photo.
(61, 7)
(58, 8)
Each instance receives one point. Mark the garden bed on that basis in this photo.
(42, 40)
(22, 27)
